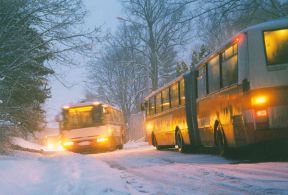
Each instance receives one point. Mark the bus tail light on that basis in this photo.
(262, 119)
(261, 113)
(259, 100)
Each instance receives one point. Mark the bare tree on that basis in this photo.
(160, 28)
(118, 76)
(32, 34)
(218, 20)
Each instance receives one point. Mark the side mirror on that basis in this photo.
(58, 118)
(245, 85)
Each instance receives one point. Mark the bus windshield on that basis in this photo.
(82, 117)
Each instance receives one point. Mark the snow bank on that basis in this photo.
(68, 173)
(26, 144)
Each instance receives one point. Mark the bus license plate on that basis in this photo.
(85, 143)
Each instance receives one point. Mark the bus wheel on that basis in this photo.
(154, 143)
(221, 141)
(180, 142)
(120, 146)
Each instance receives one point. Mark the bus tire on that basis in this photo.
(220, 141)
(154, 143)
(120, 146)
(180, 142)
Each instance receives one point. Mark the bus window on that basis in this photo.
(152, 105)
(165, 99)
(276, 46)
(229, 66)
(214, 74)
(201, 82)
(174, 95)
(114, 115)
(108, 114)
(117, 116)
(158, 103)
(182, 95)
(98, 114)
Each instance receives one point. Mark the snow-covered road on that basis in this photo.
(138, 169)
(147, 170)
(66, 173)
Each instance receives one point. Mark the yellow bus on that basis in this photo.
(92, 126)
(235, 97)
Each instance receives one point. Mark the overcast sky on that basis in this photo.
(101, 12)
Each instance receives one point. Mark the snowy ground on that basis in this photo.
(148, 171)
(65, 173)
(138, 169)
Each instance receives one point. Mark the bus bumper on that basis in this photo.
(98, 144)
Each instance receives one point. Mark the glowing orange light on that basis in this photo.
(50, 146)
(149, 127)
(96, 103)
(69, 143)
(60, 148)
(81, 109)
(261, 113)
(239, 39)
(66, 107)
(102, 139)
(260, 100)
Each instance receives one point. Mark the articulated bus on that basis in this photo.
(92, 126)
(237, 96)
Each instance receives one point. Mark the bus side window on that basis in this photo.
(214, 74)
(230, 66)
(120, 117)
(276, 46)
(114, 117)
(151, 105)
(201, 82)
(165, 99)
(158, 103)
(107, 114)
(182, 94)
(174, 95)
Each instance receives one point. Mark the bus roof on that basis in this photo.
(272, 24)
(91, 103)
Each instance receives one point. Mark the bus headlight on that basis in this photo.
(50, 146)
(102, 139)
(69, 143)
